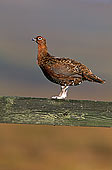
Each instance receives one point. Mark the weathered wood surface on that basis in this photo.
(55, 112)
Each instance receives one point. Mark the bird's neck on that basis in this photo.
(42, 52)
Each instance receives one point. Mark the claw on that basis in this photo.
(58, 97)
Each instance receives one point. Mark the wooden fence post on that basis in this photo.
(27, 110)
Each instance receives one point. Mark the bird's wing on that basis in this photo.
(66, 67)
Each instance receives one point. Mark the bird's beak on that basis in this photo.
(34, 39)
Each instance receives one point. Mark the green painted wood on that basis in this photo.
(27, 110)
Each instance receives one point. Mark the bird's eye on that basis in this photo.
(39, 38)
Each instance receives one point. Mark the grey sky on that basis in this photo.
(72, 28)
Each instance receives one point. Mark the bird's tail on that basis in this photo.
(94, 78)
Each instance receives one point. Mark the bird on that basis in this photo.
(62, 71)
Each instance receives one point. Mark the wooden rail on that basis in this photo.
(42, 111)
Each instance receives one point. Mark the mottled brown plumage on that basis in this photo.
(63, 71)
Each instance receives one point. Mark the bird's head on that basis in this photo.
(39, 40)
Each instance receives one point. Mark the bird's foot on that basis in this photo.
(58, 97)
(63, 93)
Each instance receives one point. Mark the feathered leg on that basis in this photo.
(63, 93)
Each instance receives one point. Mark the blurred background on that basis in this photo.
(79, 29)
(27, 147)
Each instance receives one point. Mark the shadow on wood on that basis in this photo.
(42, 111)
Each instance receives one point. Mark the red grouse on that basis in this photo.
(63, 71)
